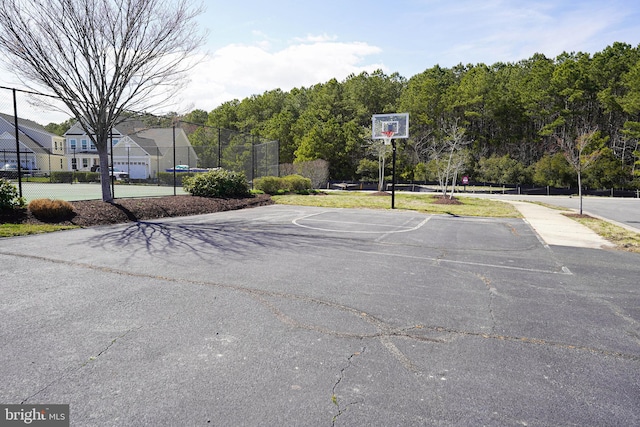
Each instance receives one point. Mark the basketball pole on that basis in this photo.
(393, 175)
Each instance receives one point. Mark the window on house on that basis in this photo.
(84, 145)
(72, 144)
(115, 141)
(93, 146)
(85, 163)
(74, 164)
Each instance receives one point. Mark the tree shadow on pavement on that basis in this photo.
(202, 240)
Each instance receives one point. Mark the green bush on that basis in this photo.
(287, 184)
(268, 184)
(217, 183)
(51, 210)
(9, 195)
(62, 177)
(296, 183)
(87, 176)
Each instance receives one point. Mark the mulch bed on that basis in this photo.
(445, 200)
(88, 213)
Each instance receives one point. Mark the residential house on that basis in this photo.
(40, 150)
(139, 150)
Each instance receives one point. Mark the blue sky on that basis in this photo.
(255, 46)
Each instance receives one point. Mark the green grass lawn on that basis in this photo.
(10, 230)
(619, 236)
(416, 202)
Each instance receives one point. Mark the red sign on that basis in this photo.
(465, 180)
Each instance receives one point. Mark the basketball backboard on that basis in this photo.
(384, 124)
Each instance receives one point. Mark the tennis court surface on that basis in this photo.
(284, 315)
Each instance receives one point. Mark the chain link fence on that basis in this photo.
(48, 155)
(223, 148)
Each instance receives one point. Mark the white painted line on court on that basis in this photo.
(564, 270)
(401, 228)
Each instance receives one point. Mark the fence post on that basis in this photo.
(174, 157)
(15, 124)
(219, 148)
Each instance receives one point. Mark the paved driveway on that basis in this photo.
(284, 315)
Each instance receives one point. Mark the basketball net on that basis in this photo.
(388, 136)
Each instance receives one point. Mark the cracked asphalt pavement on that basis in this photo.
(284, 315)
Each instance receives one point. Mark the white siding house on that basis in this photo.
(40, 151)
(137, 149)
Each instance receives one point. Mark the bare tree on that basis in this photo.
(448, 154)
(575, 151)
(381, 150)
(101, 57)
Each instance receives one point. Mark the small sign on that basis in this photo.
(465, 180)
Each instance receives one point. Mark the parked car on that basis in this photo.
(116, 174)
(9, 170)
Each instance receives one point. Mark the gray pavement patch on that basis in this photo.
(323, 221)
(342, 407)
(383, 330)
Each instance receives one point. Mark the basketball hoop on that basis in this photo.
(389, 127)
(388, 136)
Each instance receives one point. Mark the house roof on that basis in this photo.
(147, 144)
(24, 123)
(27, 142)
(24, 126)
(127, 127)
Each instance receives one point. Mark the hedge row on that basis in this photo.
(280, 185)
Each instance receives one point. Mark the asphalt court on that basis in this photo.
(357, 222)
(285, 315)
(475, 242)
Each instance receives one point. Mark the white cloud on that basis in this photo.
(239, 70)
(316, 38)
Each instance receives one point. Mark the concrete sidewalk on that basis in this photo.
(556, 229)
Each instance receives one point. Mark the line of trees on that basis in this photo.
(516, 118)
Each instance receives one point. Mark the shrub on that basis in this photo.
(287, 184)
(87, 176)
(217, 183)
(296, 183)
(51, 210)
(62, 177)
(9, 195)
(268, 184)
